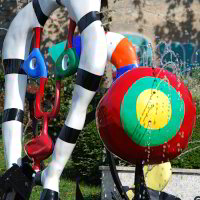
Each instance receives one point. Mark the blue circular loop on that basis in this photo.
(40, 69)
(124, 69)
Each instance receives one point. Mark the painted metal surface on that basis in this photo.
(111, 127)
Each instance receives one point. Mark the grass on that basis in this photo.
(68, 191)
(67, 185)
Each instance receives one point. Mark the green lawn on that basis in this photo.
(68, 191)
(67, 186)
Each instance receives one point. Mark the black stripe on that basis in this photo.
(13, 66)
(13, 114)
(69, 135)
(87, 80)
(87, 19)
(48, 194)
(42, 18)
(59, 2)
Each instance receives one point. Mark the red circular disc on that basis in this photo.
(113, 134)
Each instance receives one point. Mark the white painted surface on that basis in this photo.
(15, 88)
(18, 38)
(12, 136)
(77, 113)
(61, 154)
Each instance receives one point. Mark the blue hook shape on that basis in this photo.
(40, 69)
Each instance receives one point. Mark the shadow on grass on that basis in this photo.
(71, 173)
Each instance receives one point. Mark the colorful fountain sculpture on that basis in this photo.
(147, 116)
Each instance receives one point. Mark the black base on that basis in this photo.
(156, 195)
(18, 179)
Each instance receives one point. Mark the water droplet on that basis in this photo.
(143, 162)
(163, 155)
(163, 150)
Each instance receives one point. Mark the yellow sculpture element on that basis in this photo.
(153, 109)
(156, 177)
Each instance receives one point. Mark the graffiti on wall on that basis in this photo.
(183, 55)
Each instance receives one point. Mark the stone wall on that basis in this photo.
(8, 10)
(164, 19)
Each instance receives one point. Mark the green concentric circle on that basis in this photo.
(138, 133)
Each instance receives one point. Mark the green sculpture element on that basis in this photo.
(132, 125)
(67, 63)
(66, 60)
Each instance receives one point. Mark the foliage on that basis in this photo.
(190, 157)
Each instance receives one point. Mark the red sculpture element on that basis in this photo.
(41, 147)
(110, 126)
(72, 27)
(38, 31)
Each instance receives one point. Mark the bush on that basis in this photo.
(191, 157)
